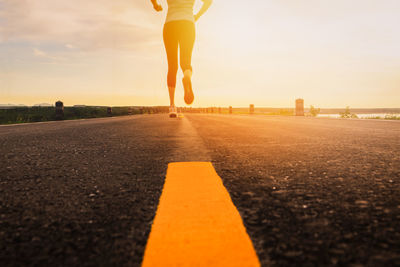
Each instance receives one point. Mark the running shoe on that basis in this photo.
(187, 85)
(172, 112)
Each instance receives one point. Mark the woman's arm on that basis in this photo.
(204, 8)
(156, 6)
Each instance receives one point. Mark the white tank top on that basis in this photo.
(180, 10)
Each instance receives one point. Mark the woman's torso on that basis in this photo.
(180, 10)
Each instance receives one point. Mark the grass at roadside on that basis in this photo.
(392, 117)
(386, 117)
(40, 114)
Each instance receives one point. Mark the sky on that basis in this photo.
(263, 52)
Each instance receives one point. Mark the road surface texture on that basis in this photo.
(311, 192)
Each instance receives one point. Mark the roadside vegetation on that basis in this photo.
(347, 114)
(25, 114)
(384, 117)
(40, 114)
(392, 117)
(282, 112)
(314, 111)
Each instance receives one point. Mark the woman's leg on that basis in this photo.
(171, 42)
(186, 42)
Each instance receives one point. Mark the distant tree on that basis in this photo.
(347, 114)
(314, 111)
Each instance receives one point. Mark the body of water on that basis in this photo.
(362, 116)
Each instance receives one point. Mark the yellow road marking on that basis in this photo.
(196, 223)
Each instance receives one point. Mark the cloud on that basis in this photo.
(88, 25)
(41, 54)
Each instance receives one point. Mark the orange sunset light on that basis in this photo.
(268, 53)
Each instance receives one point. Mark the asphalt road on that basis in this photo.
(310, 191)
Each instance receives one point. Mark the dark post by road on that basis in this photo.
(109, 111)
(59, 110)
(251, 109)
(230, 110)
(299, 107)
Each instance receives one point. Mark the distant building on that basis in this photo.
(300, 107)
(59, 110)
(251, 109)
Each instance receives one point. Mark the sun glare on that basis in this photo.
(325, 51)
(231, 27)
